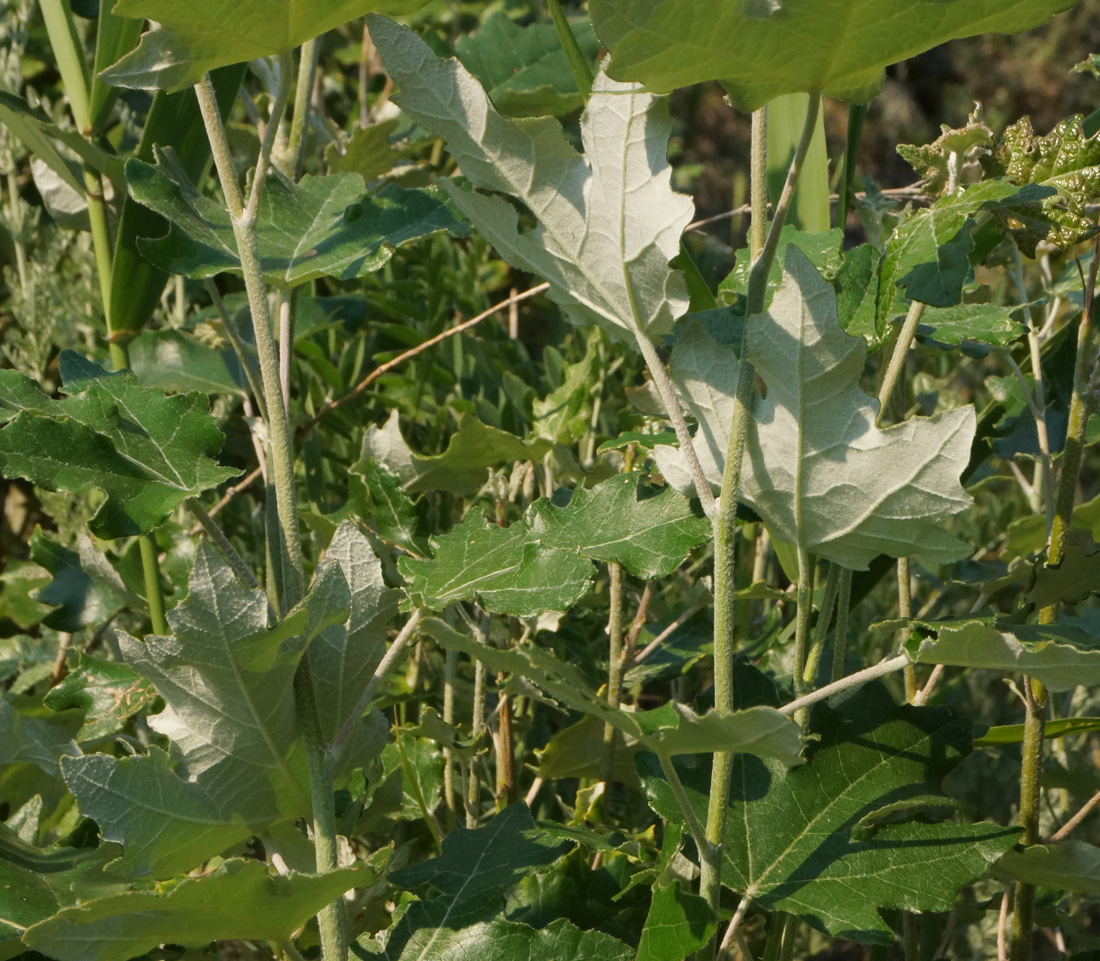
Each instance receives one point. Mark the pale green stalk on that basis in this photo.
(615, 664)
(477, 726)
(244, 231)
(450, 669)
(725, 523)
(905, 611)
(758, 190)
(582, 73)
(857, 112)
(303, 96)
(840, 637)
(821, 629)
(240, 568)
(898, 358)
(1082, 403)
(849, 683)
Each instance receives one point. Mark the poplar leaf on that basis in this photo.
(237, 759)
(145, 451)
(239, 900)
(789, 841)
(1066, 866)
(607, 223)
(318, 227)
(760, 50)
(1060, 657)
(817, 469)
(192, 37)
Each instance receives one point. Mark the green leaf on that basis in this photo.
(760, 50)
(461, 469)
(1074, 579)
(171, 360)
(192, 37)
(145, 451)
(856, 285)
(343, 656)
(823, 251)
(789, 843)
(368, 152)
(502, 567)
(1055, 728)
(621, 520)
(676, 729)
(984, 323)
(940, 163)
(35, 734)
(227, 680)
(678, 924)
(608, 223)
(1066, 866)
(319, 227)
(1028, 535)
(396, 517)
(240, 900)
(1059, 657)
(818, 470)
(106, 691)
(1065, 166)
(524, 70)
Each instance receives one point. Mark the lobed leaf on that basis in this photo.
(760, 49)
(607, 223)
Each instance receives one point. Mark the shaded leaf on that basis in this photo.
(172, 360)
(818, 470)
(1074, 579)
(678, 924)
(608, 222)
(192, 37)
(145, 451)
(396, 517)
(789, 843)
(843, 46)
(1028, 535)
(678, 729)
(35, 734)
(1066, 866)
(368, 152)
(318, 227)
(823, 250)
(524, 70)
(1059, 657)
(239, 900)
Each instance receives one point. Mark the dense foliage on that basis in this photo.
(423, 538)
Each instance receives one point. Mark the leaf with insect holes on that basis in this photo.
(320, 227)
(240, 900)
(1063, 170)
(192, 37)
(791, 840)
(1061, 657)
(760, 49)
(817, 469)
(145, 451)
(606, 223)
(237, 760)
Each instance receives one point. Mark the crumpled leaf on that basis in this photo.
(108, 693)
(192, 37)
(817, 469)
(1066, 163)
(941, 163)
(608, 222)
(524, 70)
(760, 50)
(1060, 657)
(789, 840)
(319, 227)
(239, 759)
(678, 730)
(145, 451)
(238, 900)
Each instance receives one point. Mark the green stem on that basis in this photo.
(905, 611)
(150, 567)
(615, 664)
(450, 668)
(1023, 912)
(65, 43)
(331, 919)
(674, 782)
(802, 625)
(303, 95)
(900, 355)
(840, 638)
(477, 726)
(725, 521)
(244, 231)
(857, 112)
(821, 628)
(240, 568)
(758, 179)
(578, 63)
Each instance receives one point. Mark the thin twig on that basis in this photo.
(731, 931)
(889, 666)
(929, 686)
(381, 369)
(206, 522)
(1063, 832)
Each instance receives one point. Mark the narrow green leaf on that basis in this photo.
(818, 470)
(192, 37)
(1055, 728)
(145, 451)
(240, 900)
(608, 222)
(319, 227)
(789, 843)
(760, 50)
(1059, 657)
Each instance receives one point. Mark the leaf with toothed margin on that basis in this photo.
(606, 223)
